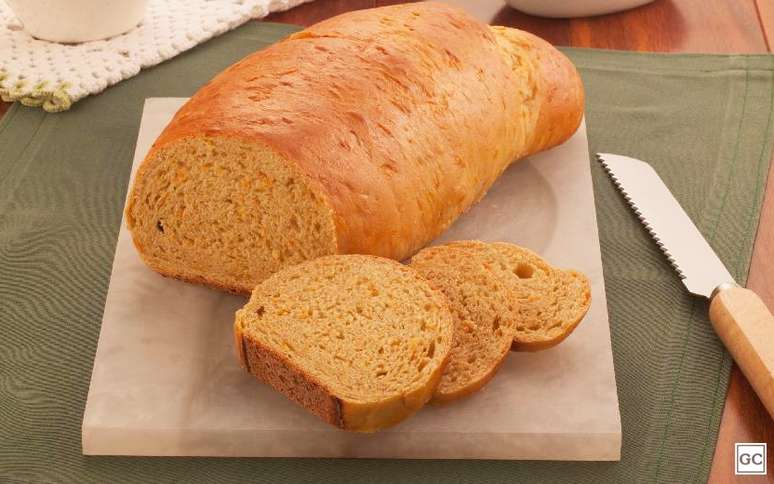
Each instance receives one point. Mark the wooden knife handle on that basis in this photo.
(746, 327)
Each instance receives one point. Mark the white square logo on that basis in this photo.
(750, 459)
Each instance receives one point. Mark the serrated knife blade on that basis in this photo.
(673, 230)
(740, 318)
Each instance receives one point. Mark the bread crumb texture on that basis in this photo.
(484, 308)
(360, 341)
(552, 301)
(502, 297)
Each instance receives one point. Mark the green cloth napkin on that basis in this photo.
(704, 122)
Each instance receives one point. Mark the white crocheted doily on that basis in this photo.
(53, 76)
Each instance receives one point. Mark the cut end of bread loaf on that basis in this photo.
(484, 308)
(359, 341)
(225, 213)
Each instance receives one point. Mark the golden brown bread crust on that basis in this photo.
(364, 418)
(275, 370)
(561, 110)
(401, 117)
(559, 88)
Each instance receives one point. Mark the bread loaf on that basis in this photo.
(482, 298)
(367, 133)
(360, 341)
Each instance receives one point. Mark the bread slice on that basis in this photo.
(360, 341)
(502, 297)
(481, 295)
(226, 213)
(552, 302)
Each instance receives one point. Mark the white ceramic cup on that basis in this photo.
(71, 21)
(573, 8)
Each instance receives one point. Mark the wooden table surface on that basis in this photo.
(709, 26)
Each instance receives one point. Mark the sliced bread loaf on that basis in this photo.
(368, 133)
(552, 302)
(485, 309)
(502, 297)
(360, 341)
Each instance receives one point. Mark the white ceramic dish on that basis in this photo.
(73, 21)
(573, 8)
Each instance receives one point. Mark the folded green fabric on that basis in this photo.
(704, 122)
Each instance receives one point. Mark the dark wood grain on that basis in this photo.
(4, 107)
(744, 417)
(310, 13)
(720, 26)
(744, 420)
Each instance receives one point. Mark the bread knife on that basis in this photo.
(739, 317)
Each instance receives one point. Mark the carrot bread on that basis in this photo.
(369, 133)
(483, 300)
(552, 302)
(502, 296)
(360, 341)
